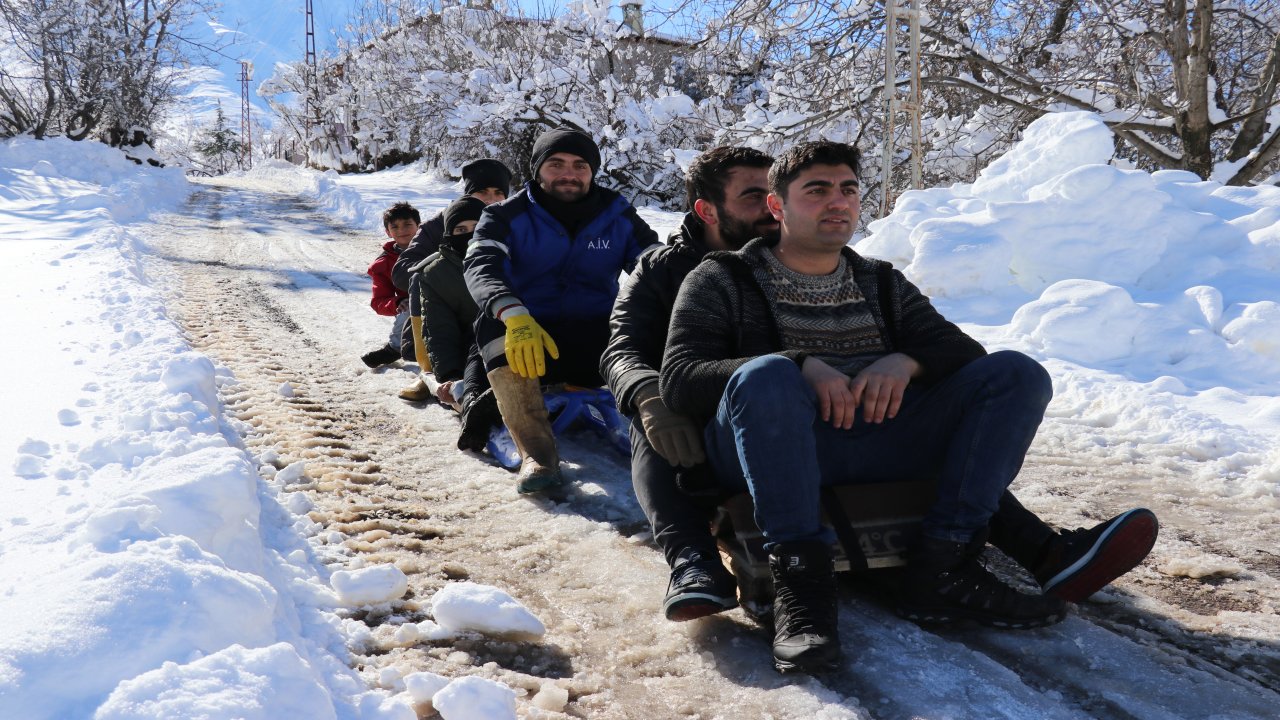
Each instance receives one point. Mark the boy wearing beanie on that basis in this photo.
(448, 311)
(485, 179)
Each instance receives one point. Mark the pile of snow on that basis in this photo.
(146, 570)
(151, 567)
(371, 585)
(485, 609)
(1153, 298)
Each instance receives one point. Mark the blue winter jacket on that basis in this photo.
(519, 249)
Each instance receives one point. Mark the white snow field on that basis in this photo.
(168, 550)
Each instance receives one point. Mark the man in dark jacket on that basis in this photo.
(543, 268)
(726, 189)
(448, 311)
(812, 365)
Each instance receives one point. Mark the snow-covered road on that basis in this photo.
(271, 289)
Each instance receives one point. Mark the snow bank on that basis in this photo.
(142, 558)
(359, 200)
(1163, 284)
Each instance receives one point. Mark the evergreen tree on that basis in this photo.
(219, 145)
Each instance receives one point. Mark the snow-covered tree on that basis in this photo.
(465, 82)
(1187, 84)
(1183, 83)
(91, 68)
(219, 148)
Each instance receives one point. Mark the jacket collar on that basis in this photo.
(690, 236)
(752, 255)
(575, 216)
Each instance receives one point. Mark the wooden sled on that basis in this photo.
(874, 525)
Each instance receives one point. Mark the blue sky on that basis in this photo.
(272, 31)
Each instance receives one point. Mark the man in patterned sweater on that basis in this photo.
(812, 365)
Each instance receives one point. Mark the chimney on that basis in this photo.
(633, 16)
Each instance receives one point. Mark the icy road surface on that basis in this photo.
(275, 292)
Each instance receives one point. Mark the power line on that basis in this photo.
(246, 132)
(313, 106)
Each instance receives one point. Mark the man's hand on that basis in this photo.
(403, 305)
(444, 393)
(526, 346)
(880, 385)
(675, 437)
(835, 401)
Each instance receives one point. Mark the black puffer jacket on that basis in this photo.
(722, 319)
(638, 323)
(425, 242)
(448, 313)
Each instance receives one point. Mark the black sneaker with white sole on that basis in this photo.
(699, 587)
(1078, 563)
(946, 582)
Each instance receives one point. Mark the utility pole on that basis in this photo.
(246, 131)
(313, 103)
(911, 105)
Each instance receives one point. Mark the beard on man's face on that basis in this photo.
(736, 231)
(566, 190)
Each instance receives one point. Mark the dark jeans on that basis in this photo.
(679, 520)
(971, 432)
(474, 378)
(581, 342)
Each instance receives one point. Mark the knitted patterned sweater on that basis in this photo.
(724, 318)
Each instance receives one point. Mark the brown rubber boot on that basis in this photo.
(419, 391)
(525, 415)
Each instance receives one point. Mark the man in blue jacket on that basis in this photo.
(543, 267)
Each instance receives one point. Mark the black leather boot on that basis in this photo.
(805, 635)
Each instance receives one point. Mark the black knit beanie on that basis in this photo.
(464, 208)
(565, 140)
(486, 173)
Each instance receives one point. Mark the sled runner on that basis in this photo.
(874, 524)
(569, 408)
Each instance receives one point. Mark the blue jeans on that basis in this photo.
(397, 330)
(971, 432)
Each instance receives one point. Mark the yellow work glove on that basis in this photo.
(675, 437)
(527, 345)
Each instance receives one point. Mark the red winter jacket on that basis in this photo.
(386, 296)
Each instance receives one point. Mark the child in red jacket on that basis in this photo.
(400, 222)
